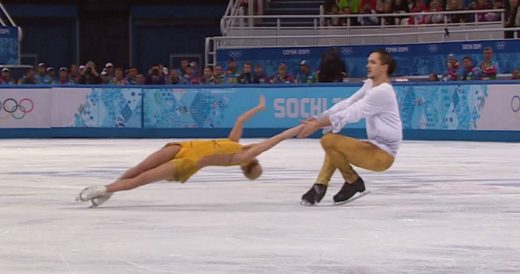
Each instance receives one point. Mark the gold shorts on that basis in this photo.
(186, 160)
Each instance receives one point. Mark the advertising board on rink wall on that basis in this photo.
(25, 108)
(452, 107)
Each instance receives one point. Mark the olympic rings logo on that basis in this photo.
(515, 105)
(17, 110)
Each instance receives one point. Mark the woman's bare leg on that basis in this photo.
(161, 172)
(157, 158)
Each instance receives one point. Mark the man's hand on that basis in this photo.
(308, 120)
(309, 126)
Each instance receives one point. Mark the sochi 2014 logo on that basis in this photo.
(12, 108)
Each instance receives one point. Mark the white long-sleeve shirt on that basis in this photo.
(378, 105)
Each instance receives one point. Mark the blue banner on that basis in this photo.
(219, 108)
(412, 59)
(453, 107)
(9, 46)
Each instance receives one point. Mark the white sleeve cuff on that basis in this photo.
(336, 123)
(326, 129)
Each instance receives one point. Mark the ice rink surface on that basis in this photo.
(444, 207)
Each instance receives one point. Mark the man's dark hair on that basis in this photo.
(386, 59)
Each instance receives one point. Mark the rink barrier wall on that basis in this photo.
(476, 111)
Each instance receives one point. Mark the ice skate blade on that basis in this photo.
(357, 196)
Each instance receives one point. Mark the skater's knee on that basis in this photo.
(382, 163)
(329, 141)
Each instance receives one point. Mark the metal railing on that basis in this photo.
(314, 35)
(7, 21)
(234, 10)
(319, 20)
(215, 43)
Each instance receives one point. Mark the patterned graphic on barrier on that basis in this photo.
(421, 107)
(185, 108)
(110, 107)
(441, 107)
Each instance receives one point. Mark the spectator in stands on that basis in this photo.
(401, 6)
(333, 21)
(82, 69)
(5, 79)
(371, 3)
(51, 73)
(131, 76)
(232, 72)
(332, 68)
(452, 66)
(282, 77)
(64, 78)
(90, 75)
(184, 64)
(469, 71)
(306, 75)
(195, 68)
(105, 77)
(218, 75)
(352, 5)
(472, 5)
(388, 9)
(369, 19)
(260, 77)
(246, 77)
(155, 76)
(494, 16)
(417, 7)
(165, 71)
(92, 66)
(435, 6)
(515, 74)
(348, 21)
(119, 77)
(328, 5)
(109, 67)
(189, 78)
(41, 77)
(174, 78)
(456, 5)
(488, 67)
(207, 77)
(29, 78)
(74, 74)
(140, 79)
(512, 17)
(433, 77)
(482, 5)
